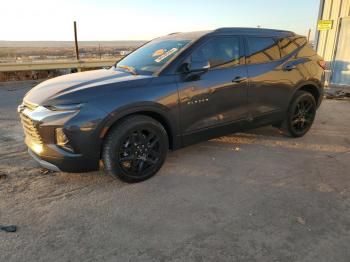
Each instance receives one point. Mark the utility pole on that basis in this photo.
(99, 49)
(308, 35)
(76, 41)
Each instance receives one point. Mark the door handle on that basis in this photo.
(289, 67)
(239, 79)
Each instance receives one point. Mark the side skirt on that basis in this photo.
(230, 128)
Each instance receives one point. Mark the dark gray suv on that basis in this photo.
(173, 91)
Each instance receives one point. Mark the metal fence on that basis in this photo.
(49, 65)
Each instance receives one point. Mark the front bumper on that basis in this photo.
(80, 127)
(64, 163)
(43, 163)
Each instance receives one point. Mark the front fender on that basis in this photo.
(140, 107)
(163, 114)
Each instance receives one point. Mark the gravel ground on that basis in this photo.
(254, 196)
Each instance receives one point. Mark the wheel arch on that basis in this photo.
(313, 88)
(162, 115)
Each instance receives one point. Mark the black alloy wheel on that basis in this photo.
(303, 115)
(135, 149)
(140, 151)
(300, 115)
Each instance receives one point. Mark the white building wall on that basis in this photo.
(327, 40)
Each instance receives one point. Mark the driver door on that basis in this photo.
(218, 95)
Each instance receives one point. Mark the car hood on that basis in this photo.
(81, 87)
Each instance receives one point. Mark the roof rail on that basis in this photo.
(252, 30)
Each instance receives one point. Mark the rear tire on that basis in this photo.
(300, 115)
(135, 149)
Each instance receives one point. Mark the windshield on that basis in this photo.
(149, 58)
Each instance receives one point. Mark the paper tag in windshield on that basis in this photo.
(159, 52)
(166, 54)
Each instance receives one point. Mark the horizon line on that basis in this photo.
(69, 40)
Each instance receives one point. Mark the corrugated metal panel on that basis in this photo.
(345, 10)
(327, 40)
(341, 64)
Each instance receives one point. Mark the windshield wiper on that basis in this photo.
(130, 69)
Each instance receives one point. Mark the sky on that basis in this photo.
(99, 20)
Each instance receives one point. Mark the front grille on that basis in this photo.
(30, 129)
(29, 105)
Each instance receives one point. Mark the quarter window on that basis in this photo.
(262, 50)
(289, 44)
(220, 52)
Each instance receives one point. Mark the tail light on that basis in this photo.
(322, 64)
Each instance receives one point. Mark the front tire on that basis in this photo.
(135, 149)
(300, 116)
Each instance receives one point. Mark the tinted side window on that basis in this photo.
(290, 44)
(220, 52)
(262, 50)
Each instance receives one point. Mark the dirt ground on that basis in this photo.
(254, 196)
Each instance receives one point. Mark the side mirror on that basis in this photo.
(199, 66)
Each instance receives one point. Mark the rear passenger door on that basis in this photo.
(271, 80)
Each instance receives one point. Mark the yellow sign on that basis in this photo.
(324, 24)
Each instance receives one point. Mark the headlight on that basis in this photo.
(71, 107)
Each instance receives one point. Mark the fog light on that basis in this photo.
(37, 148)
(62, 139)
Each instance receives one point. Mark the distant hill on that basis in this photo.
(70, 43)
